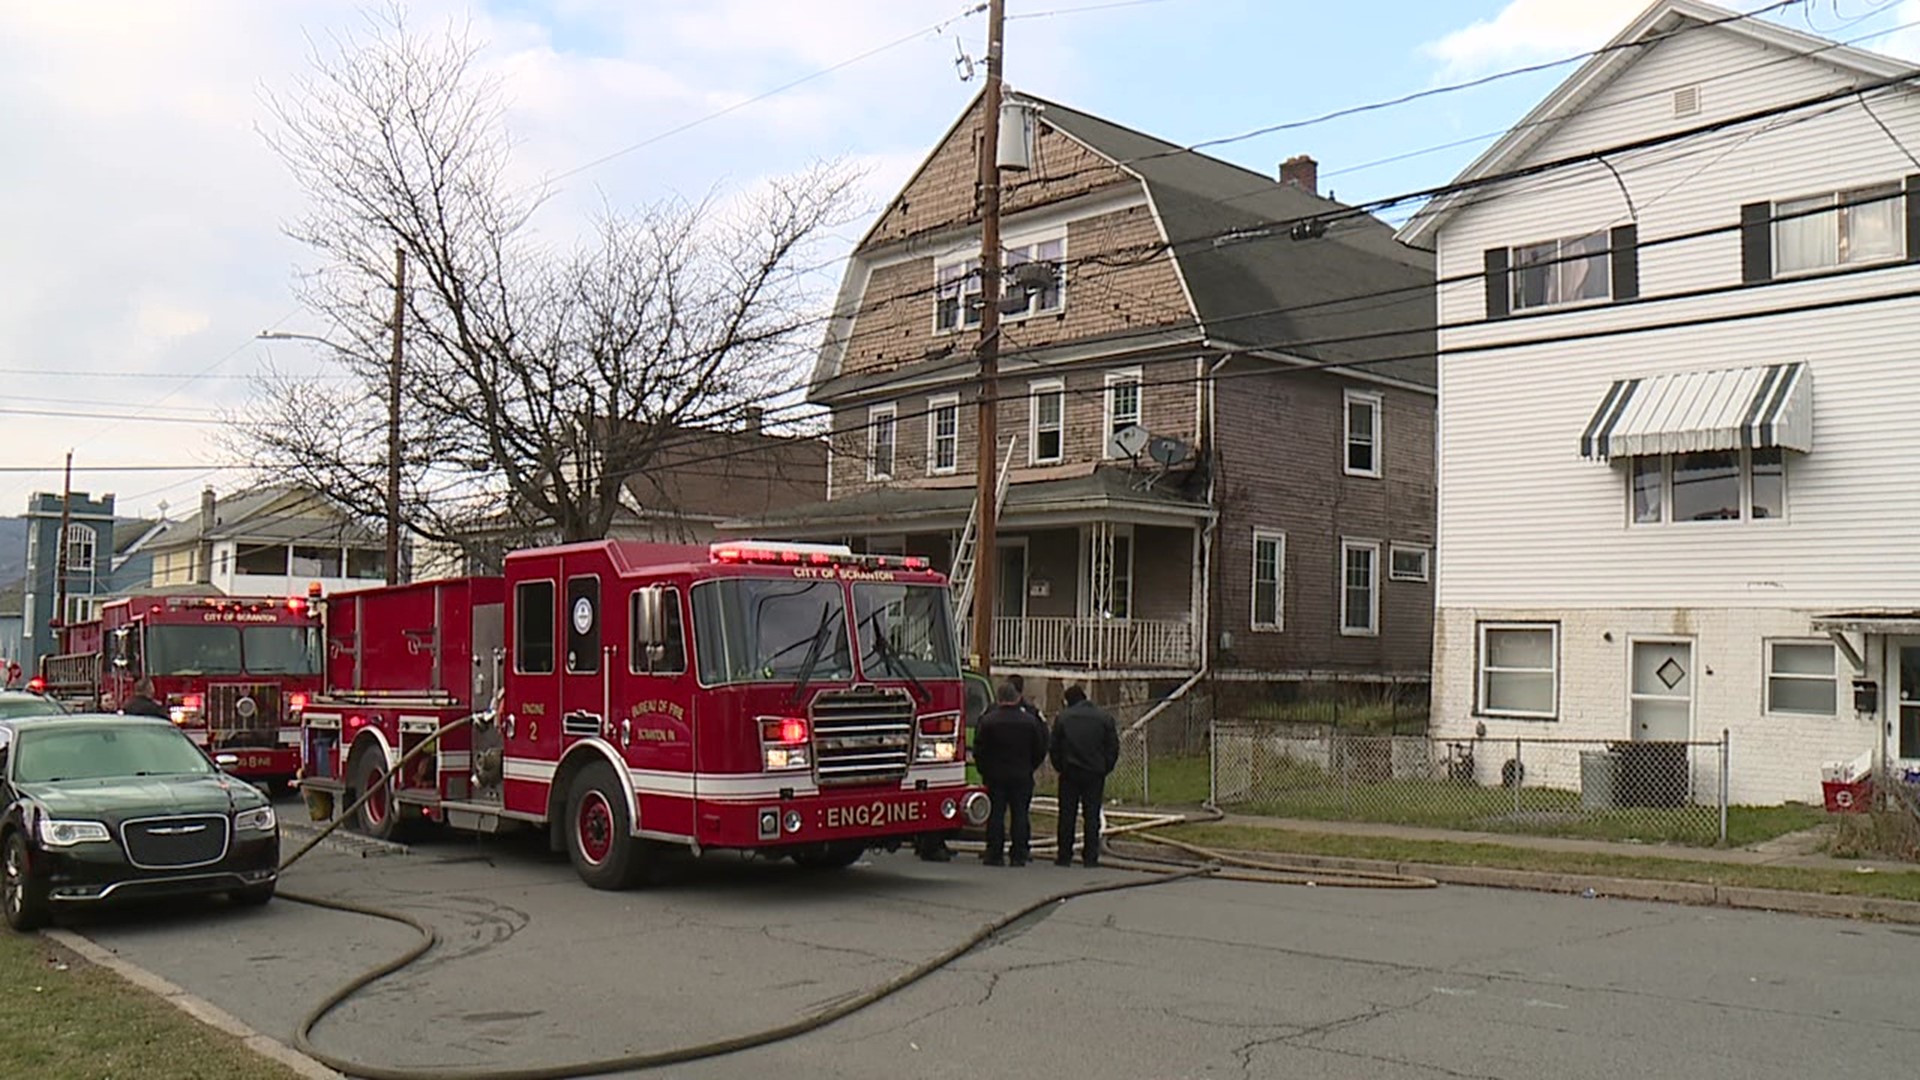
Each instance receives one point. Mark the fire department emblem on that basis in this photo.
(582, 615)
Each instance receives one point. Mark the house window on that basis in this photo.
(1801, 678)
(1047, 416)
(1841, 228)
(1359, 587)
(943, 433)
(533, 628)
(1043, 286)
(1269, 580)
(315, 562)
(1567, 271)
(880, 431)
(366, 564)
(1123, 404)
(583, 624)
(262, 559)
(1363, 434)
(1519, 670)
(1408, 563)
(80, 548)
(79, 609)
(957, 296)
(1709, 485)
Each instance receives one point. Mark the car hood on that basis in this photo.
(121, 798)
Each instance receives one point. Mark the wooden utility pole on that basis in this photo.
(987, 464)
(393, 414)
(59, 617)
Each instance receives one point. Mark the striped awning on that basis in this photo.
(1730, 409)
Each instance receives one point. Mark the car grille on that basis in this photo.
(171, 843)
(861, 736)
(225, 714)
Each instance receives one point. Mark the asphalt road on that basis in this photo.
(1193, 979)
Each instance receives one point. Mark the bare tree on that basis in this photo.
(536, 380)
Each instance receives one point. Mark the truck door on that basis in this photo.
(532, 702)
(583, 664)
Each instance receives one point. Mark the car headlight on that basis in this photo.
(68, 833)
(258, 819)
(785, 757)
(936, 749)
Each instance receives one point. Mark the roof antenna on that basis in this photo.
(962, 63)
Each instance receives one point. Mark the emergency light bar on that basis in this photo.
(795, 554)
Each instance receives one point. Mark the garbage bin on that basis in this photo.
(1651, 774)
(1599, 779)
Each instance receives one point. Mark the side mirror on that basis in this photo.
(650, 617)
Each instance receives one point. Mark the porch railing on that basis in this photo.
(1094, 643)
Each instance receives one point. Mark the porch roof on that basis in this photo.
(1105, 493)
(1869, 622)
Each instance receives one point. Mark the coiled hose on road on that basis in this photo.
(1221, 865)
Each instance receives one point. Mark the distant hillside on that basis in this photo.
(13, 548)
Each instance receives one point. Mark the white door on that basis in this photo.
(1660, 690)
(1906, 732)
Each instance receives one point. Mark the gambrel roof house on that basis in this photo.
(1674, 379)
(1268, 348)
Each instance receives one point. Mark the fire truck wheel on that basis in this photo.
(599, 831)
(830, 856)
(378, 817)
(23, 898)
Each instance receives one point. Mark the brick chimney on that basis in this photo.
(1302, 172)
(754, 419)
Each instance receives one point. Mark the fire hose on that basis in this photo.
(1220, 865)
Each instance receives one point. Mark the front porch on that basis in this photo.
(1091, 574)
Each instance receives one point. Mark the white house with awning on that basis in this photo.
(1679, 456)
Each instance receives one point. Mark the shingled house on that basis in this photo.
(1217, 404)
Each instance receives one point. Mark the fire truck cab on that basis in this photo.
(234, 671)
(787, 699)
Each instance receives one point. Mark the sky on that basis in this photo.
(142, 211)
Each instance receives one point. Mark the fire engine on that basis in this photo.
(786, 699)
(234, 672)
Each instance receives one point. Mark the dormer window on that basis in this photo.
(1033, 281)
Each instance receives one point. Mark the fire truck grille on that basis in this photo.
(861, 736)
(243, 714)
(174, 842)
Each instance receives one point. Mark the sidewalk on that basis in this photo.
(1773, 853)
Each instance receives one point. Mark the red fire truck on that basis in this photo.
(790, 699)
(234, 672)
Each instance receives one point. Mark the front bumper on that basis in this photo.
(97, 873)
(872, 815)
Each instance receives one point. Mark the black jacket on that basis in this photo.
(1009, 743)
(1085, 739)
(140, 705)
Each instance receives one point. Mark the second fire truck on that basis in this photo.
(787, 699)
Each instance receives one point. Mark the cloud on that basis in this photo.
(1529, 30)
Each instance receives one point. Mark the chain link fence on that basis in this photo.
(1648, 791)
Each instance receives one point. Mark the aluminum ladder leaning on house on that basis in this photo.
(963, 553)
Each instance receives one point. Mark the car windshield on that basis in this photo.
(905, 631)
(104, 751)
(11, 707)
(763, 630)
(232, 650)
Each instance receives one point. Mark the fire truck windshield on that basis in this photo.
(232, 650)
(906, 631)
(760, 630)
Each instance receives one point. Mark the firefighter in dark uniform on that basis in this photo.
(1086, 747)
(1009, 745)
(142, 703)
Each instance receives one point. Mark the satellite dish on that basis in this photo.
(1167, 451)
(1128, 441)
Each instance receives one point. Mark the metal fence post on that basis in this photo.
(1345, 753)
(1726, 740)
(1518, 769)
(1146, 787)
(1213, 762)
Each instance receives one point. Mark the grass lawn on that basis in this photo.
(61, 1017)
(1897, 886)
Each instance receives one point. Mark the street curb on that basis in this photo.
(194, 1006)
(1673, 892)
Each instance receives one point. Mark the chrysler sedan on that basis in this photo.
(102, 809)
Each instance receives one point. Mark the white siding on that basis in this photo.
(1527, 523)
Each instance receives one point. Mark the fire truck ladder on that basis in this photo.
(963, 555)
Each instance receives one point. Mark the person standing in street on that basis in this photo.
(1008, 746)
(143, 703)
(1084, 749)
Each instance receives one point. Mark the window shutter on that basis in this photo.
(1624, 241)
(1756, 243)
(1499, 289)
(1913, 218)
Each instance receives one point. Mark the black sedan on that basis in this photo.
(108, 808)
